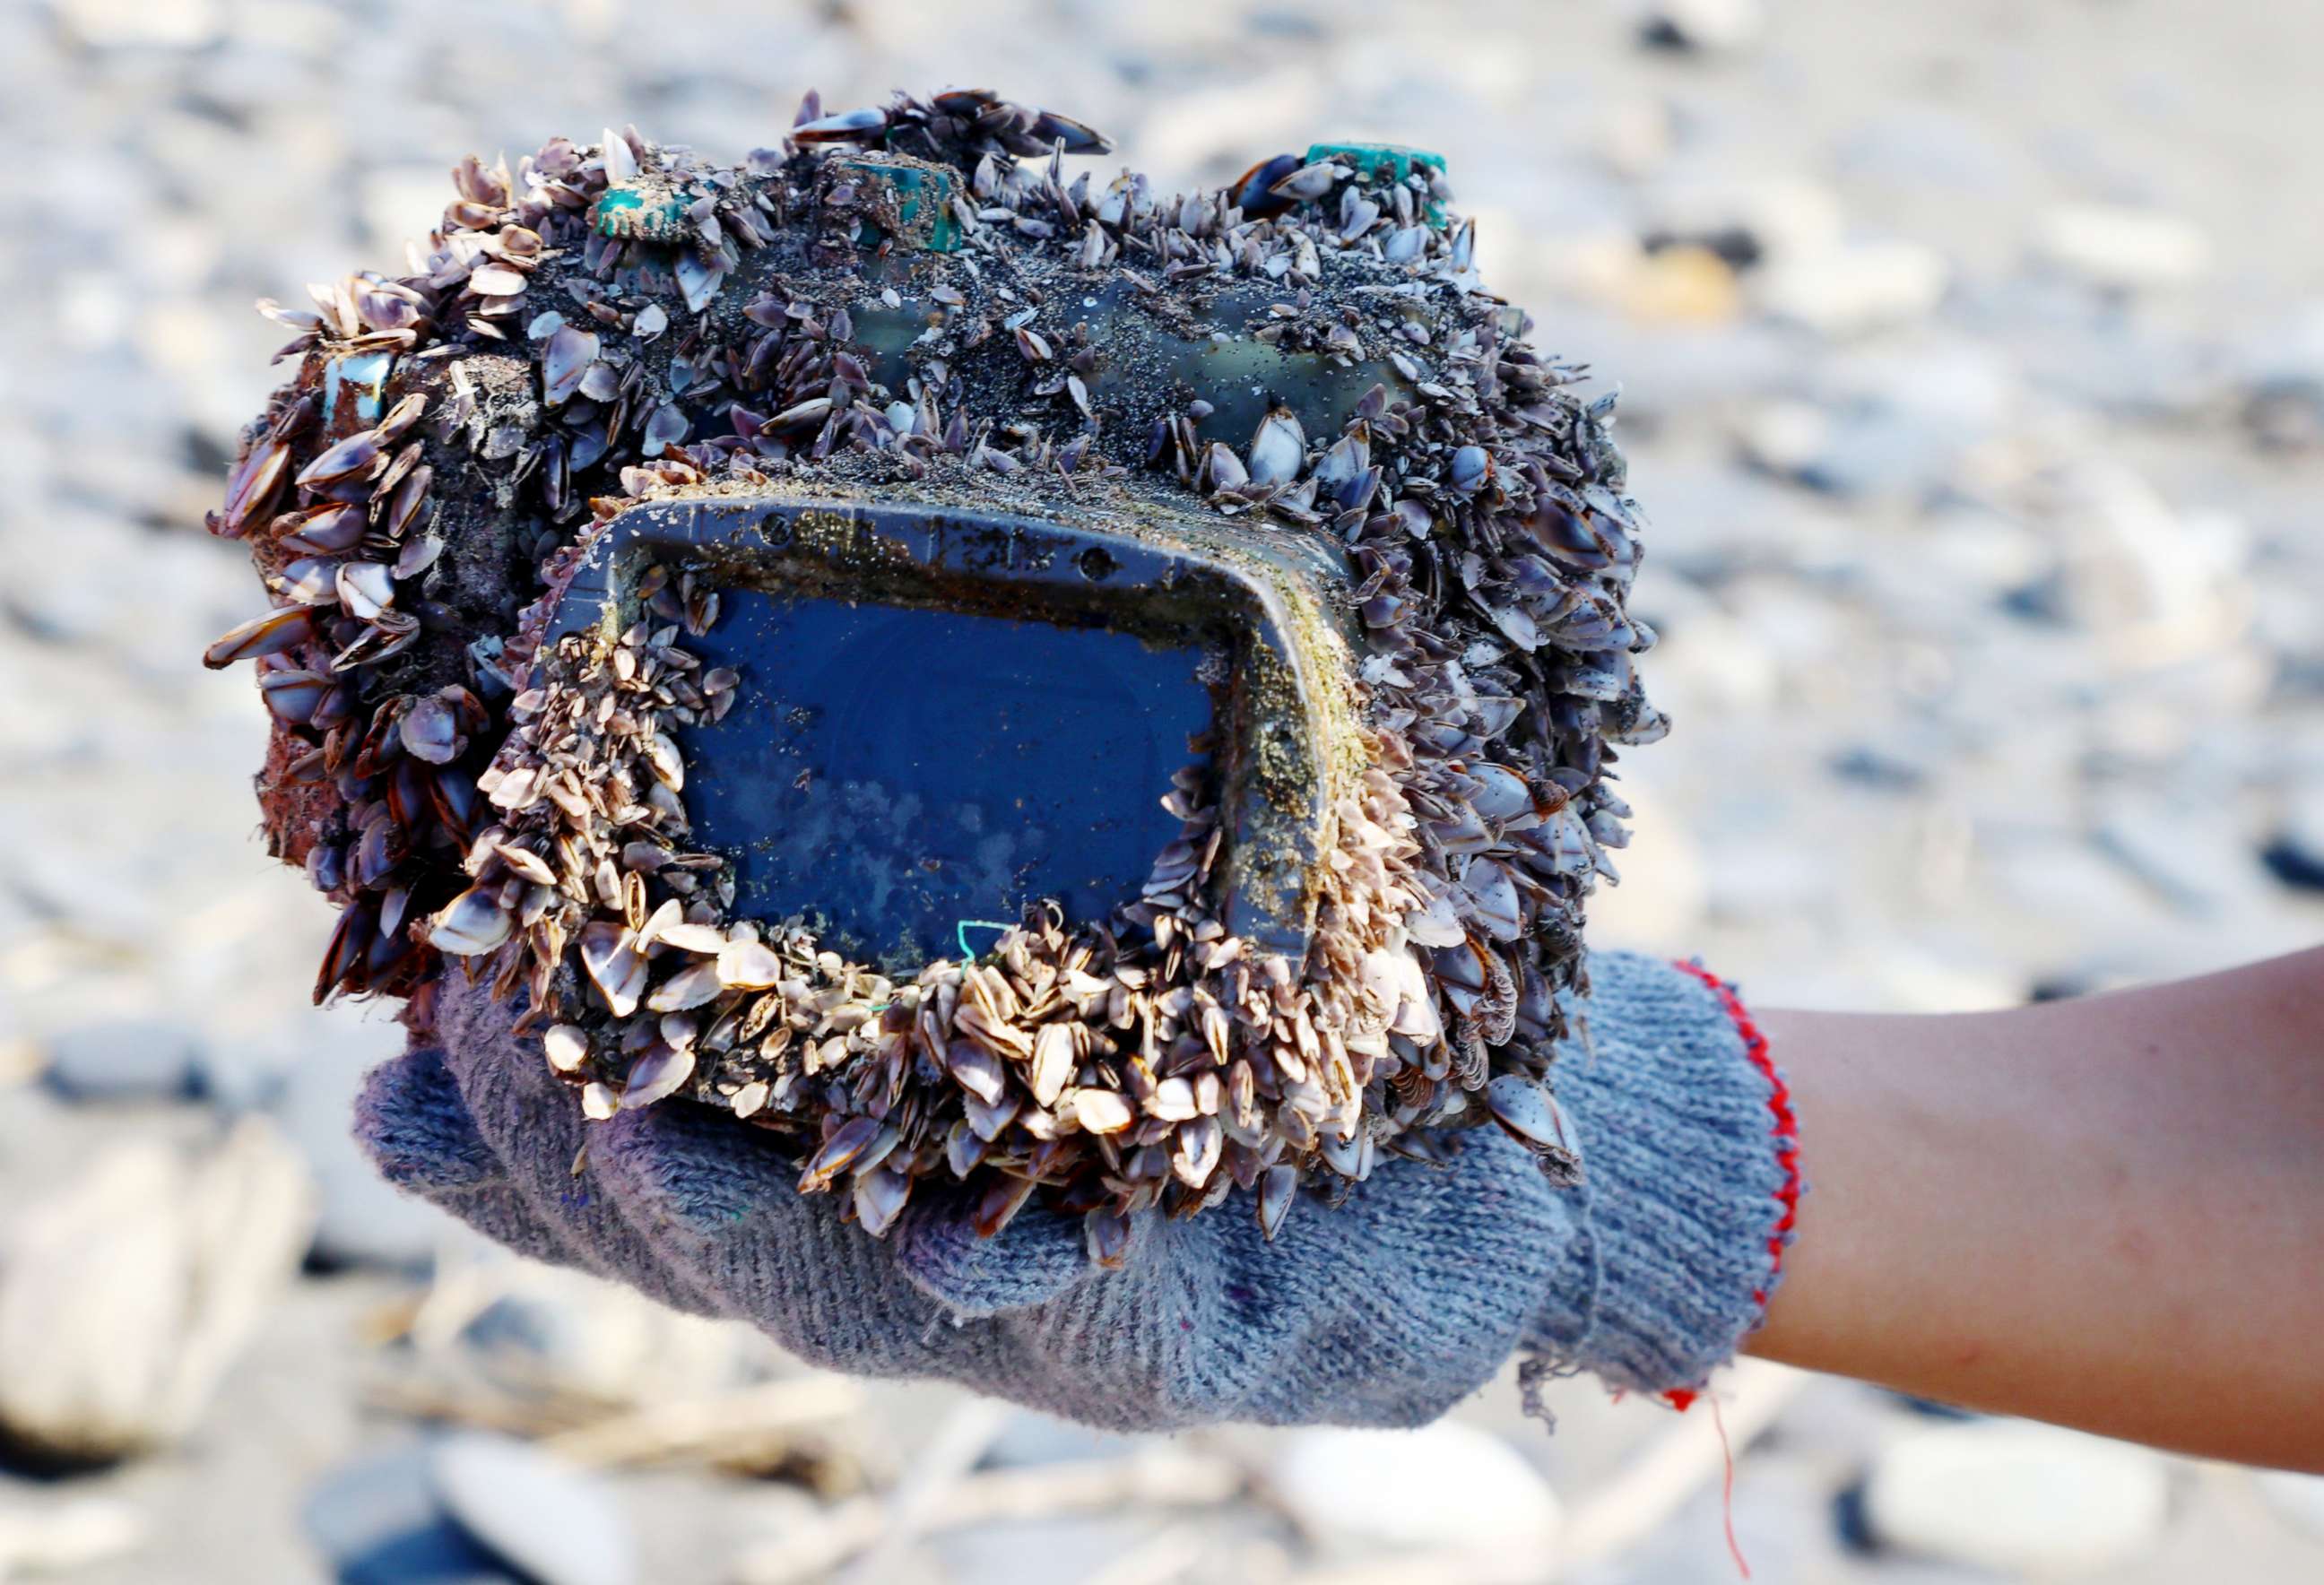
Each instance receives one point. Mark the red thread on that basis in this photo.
(1726, 1492)
(1786, 1134)
(1786, 1130)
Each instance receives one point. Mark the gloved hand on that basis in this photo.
(1384, 1310)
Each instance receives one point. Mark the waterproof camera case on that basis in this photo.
(1029, 683)
(967, 714)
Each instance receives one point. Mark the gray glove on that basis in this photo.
(1384, 1310)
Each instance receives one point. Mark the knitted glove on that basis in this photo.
(1384, 1310)
(1692, 1187)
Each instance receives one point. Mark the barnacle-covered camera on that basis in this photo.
(1020, 687)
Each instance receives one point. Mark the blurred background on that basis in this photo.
(1972, 361)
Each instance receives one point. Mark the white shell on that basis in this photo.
(620, 160)
(1052, 1062)
(1493, 899)
(1276, 1191)
(691, 988)
(1278, 449)
(1503, 795)
(1196, 1149)
(567, 357)
(659, 1071)
(880, 1197)
(1530, 1114)
(748, 965)
(706, 939)
(366, 588)
(473, 923)
(1102, 1111)
(567, 1046)
(614, 966)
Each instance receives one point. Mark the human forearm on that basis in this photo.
(2107, 1212)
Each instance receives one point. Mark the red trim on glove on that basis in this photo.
(1786, 1132)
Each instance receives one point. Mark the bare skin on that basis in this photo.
(2106, 1212)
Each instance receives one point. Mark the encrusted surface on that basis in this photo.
(1306, 351)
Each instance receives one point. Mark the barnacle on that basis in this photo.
(913, 305)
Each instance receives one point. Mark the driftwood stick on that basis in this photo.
(1153, 1478)
(1684, 1459)
(950, 1455)
(704, 1429)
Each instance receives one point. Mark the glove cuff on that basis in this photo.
(1691, 1157)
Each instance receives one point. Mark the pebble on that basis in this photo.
(1891, 423)
(2121, 247)
(536, 1322)
(1920, 145)
(1857, 287)
(1720, 26)
(1782, 217)
(1664, 897)
(2293, 851)
(550, 1522)
(166, 1266)
(1029, 1438)
(151, 25)
(379, 1524)
(2296, 858)
(52, 597)
(2016, 1497)
(550, 1338)
(400, 201)
(1876, 767)
(1706, 659)
(2135, 566)
(2285, 413)
(2282, 372)
(1445, 1486)
(58, 1535)
(2049, 882)
(1055, 1550)
(1688, 283)
(1633, 135)
(364, 1221)
(2198, 869)
(2298, 1498)
(125, 1059)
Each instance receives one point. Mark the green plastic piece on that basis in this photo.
(1384, 163)
(923, 192)
(646, 212)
